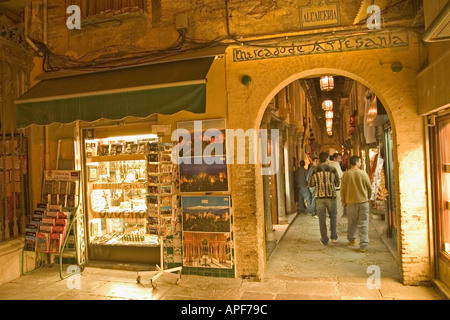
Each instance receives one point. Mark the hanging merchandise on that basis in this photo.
(13, 195)
(376, 180)
(352, 124)
(370, 110)
(382, 191)
(312, 139)
(380, 198)
(373, 167)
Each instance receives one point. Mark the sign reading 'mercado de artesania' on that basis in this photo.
(368, 41)
(319, 13)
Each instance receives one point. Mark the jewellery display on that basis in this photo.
(127, 186)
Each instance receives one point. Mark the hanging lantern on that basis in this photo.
(330, 130)
(328, 114)
(327, 83)
(329, 123)
(327, 105)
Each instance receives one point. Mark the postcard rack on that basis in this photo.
(55, 218)
(161, 199)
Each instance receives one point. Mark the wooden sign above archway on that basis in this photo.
(320, 13)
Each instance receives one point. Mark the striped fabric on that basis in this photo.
(325, 179)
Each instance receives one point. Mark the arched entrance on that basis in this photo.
(397, 92)
(359, 126)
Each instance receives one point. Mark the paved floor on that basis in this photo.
(299, 268)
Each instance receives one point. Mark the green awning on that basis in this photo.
(163, 88)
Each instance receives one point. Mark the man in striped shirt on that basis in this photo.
(325, 179)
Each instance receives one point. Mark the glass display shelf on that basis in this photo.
(121, 232)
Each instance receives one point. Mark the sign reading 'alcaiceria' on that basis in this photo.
(369, 41)
(318, 14)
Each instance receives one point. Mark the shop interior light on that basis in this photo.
(329, 114)
(327, 105)
(152, 137)
(327, 83)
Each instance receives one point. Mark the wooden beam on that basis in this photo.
(11, 15)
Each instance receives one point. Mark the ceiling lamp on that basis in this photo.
(329, 123)
(329, 114)
(327, 105)
(327, 83)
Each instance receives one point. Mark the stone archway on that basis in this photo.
(397, 92)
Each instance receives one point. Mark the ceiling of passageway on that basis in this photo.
(339, 95)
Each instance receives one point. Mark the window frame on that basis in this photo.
(438, 174)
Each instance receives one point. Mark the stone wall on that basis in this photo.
(207, 20)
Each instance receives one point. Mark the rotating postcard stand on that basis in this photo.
(165, 225)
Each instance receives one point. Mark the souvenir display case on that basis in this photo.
(128, 197)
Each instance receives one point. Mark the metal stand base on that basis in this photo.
(170, 272)
(161, 270)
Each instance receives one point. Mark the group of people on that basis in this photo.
(326, 186)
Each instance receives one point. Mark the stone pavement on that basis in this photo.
(300, 268)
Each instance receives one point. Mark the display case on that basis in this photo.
(128, 185)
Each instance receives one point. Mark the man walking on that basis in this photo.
(355, 193)
(325, 179)
(336, 163)
(315, 163)
(303, 190)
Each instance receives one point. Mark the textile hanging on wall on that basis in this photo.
(369, 132)
(376, 179)
(382, 191)
(373, 167)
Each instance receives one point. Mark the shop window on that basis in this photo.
(443, 191)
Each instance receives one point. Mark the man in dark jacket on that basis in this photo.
(303, 190)
(325, 179)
